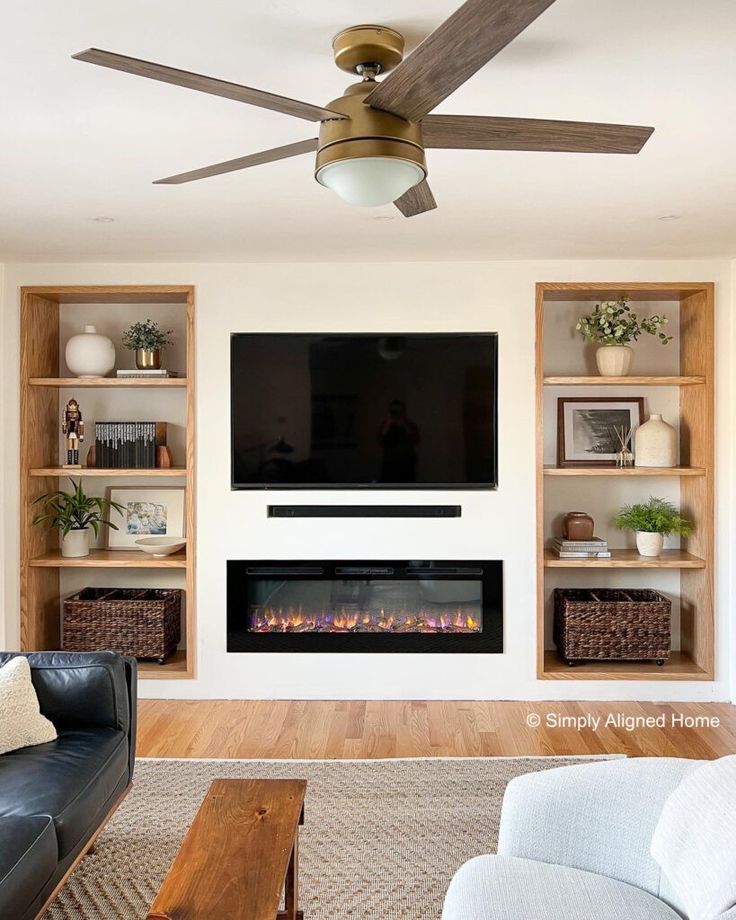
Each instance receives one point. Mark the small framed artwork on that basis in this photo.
(586, 427)
(147, 512)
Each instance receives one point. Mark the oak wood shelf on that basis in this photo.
(636, 471)
(110, 559)
(661, 381)
(627, 559)
(156, 473)
(679, 667)
(693, 565)
(174, 667)
(42, 565)
(75, 382)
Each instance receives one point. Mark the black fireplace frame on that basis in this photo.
(488, 641)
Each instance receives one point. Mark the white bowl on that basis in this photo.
(160, 546)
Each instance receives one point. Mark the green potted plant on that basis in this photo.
(611, 326)
(652, 522)
(74, 514)
(147, 339)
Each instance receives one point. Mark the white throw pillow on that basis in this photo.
(21, 722)
(695, 840)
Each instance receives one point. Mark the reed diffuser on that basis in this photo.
(624, 455)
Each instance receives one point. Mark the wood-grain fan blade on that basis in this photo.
(481, 132)
(206, 85)
(417, 200)
(451, 54)
(253, 159)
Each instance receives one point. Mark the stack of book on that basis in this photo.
(595, 548)
(137, 372)
(128, 445)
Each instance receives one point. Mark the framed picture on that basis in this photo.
(586, 427)
(147, 512)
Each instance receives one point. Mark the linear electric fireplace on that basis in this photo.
(364, 606)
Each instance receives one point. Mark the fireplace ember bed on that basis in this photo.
(365, 606)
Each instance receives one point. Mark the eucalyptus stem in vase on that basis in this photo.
(611, 326)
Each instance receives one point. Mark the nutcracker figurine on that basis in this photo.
(72, 427)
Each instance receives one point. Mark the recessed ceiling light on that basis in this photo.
(103, 220)
(670, 217)
(383, 217)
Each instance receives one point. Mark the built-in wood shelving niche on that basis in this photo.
(692, 565)
(42, 565)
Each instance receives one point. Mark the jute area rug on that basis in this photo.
(381, 840)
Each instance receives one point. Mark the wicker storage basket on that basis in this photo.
(612, 624)
(140, 622)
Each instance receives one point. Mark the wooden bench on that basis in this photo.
(239, 855)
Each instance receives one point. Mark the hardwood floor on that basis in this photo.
(358, 729)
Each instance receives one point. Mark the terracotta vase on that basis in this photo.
(577, 525)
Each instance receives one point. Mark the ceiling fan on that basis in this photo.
(371, 143)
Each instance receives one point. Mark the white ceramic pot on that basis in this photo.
(613, 360)
(90, 354)
(76, 543)
(655, 443)
(649, 544)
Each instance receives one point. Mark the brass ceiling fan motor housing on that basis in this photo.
(366, 46)
(367, 132)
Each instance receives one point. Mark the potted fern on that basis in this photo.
(611, 326)
(74, 514)
(652, 522)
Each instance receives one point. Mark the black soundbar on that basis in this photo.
(365, 511)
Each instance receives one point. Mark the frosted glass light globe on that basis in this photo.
(370, 181)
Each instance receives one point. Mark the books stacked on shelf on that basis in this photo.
(128, 445)
(595, 548)
(137, 372)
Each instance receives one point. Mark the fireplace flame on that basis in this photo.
(294, 620)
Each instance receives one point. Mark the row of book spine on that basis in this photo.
(126, 445)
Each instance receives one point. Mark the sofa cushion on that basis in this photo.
(695, 840)
(22, 723)
(508, 888)
(80, 688)
(71, 779)
(28, 855)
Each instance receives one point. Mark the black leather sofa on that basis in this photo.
(55, 797)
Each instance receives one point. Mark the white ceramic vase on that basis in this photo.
(90, 354)
(649, 544)
(655, 443)
(613, 360)
(75, 543)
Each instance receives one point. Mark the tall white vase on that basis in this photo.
(613, 360)
(90, 354)
(655, 443)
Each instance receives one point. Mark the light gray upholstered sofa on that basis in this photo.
(575, 843)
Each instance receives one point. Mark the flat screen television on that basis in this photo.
(392, 411)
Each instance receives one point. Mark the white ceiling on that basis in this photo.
(79, 142)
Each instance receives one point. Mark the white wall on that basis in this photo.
(389, 297)
(5, 381)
